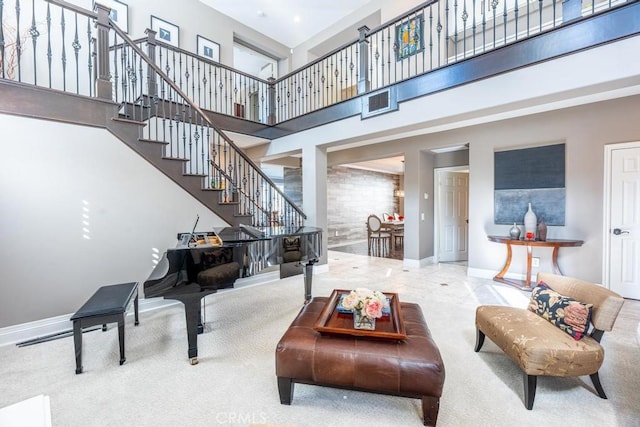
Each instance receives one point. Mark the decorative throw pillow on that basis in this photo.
(566, 313)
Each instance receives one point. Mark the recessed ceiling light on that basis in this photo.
(296, 19)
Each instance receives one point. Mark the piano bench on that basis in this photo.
(107, 305)
(219, 276)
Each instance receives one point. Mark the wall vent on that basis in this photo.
(380, 102)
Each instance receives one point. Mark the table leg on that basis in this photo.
(500, 276)
(528, 278)
(554, 258)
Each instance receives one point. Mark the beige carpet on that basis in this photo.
(235, 384)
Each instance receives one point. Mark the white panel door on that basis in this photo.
(624, 259)
(453, 216)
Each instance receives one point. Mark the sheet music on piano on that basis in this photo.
(186, 239)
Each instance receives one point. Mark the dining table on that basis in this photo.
(394, 227)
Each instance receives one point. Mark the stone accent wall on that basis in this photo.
(293, 184)
(353, 195)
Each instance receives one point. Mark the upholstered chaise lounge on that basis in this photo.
(540, 347)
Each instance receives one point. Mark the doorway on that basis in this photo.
(451, 214)
(621, 269)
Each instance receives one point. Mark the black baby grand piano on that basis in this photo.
(204, 262)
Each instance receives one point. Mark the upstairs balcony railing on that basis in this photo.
(64, 47)
(435, 34)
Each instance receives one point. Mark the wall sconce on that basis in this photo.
(399, 193)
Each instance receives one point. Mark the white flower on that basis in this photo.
(369, 303)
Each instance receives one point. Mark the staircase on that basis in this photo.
(125, 92)
(167, 104)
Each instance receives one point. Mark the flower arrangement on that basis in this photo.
(365, 301)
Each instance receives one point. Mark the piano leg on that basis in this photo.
(308, 277)
(193, 319)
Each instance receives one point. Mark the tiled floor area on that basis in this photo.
(361, 248)
(445, 274)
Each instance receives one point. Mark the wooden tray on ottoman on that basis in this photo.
(389, 326)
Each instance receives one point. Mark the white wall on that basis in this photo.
(585, 131)
(194, 18)
(79, 209)
(506, 101)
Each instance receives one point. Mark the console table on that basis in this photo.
(556, 244)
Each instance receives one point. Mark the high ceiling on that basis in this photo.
(290, 22)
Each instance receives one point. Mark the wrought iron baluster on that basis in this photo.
(76, 49)
(189, 154)
(473, 27)
(144, 100)
(2, 41)
(465, 16)
(515, 20)
(193, 81)
(227, 99)
(64, 53)
(504, 20)
(422, 42)
(34, 33)
(200, 80)
(439, 31)
(90, 56)
(181, 120)
(484, 27)
(540, 15)
(446, 31)
(528, 19)
(18, 41)
(494, 5)
(391, 47)
(431, 37)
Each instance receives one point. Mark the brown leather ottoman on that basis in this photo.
(409, 368)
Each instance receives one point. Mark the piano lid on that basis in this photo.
(247, 233)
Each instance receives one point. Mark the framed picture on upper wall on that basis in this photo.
(208, 49)
(166, 32)
(119, 13)
(409, 37)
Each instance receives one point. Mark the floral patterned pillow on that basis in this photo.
(566, 313)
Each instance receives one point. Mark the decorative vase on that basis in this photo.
(542, 230)
(530, 222)
(514, 232)
(360, 321)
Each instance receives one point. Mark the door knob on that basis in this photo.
(618, 232)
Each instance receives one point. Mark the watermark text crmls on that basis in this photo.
(241, 418)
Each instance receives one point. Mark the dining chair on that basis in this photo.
(378, 239)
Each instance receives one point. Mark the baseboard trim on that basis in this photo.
(53, 325)
(489, 274)
(417, 263)
(16, 334)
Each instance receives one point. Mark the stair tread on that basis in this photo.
(153, 141)
(125, 120)
(175, 158)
